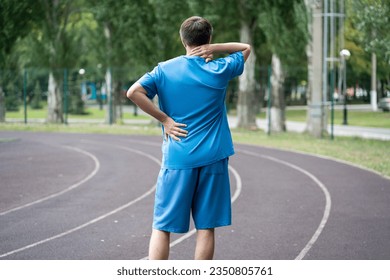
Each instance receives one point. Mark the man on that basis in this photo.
(197, 142)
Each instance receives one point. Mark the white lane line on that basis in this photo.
(149, 143)
(93, 173)
(234, 198)
(96, 219)
(81, 226)
(328, 202)
(130, 149)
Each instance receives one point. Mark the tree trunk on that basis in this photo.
(117, 102)
(309, 55)
(315, 117)
(278, 119)
(109, 111)
(54, 101)
(373, 92)
(2, 105)
(114, 112)
(246, 109)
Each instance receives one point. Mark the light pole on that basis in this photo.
(344, 55)
(83, 85)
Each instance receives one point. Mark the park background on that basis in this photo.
(66, 65)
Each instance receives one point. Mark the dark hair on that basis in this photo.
(196, 31)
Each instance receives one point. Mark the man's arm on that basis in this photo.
(207, 51)
(137, 94)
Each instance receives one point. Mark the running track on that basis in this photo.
(76, 196)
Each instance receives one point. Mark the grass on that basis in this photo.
(377, 119)
(90, 114)
(84, 128)
(355, 118)
(372, 154)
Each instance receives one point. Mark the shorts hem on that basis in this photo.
(172, 230)
(214, 226)
(175, 230)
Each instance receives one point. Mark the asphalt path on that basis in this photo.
(86, 196)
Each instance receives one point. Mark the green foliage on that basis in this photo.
(371, 19)
(12, 103)
(141, 33)
(284, 24)
(16, 18)
(366, 31)
(12, 98)
(130, 37)
(36, 100)
(362, 152)
(125, 34)
(72, 33)
(76, 104)
(168, 17)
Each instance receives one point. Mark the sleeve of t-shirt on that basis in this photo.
(236, 64)
(149, 82)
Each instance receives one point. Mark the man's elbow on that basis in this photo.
(135, 92)
(247, 51)
(130, 93)
(249, 48)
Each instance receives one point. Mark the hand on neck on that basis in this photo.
(189, 49)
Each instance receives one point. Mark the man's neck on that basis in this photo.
(189, 49)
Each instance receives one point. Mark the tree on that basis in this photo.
(16, 20)
(284, 25)
(315, 117)
(168, 17)
(126, 39)
(371, 18)
(54, 45)
(135, 35)
(56, 42)
(246, 109)
(53, 24)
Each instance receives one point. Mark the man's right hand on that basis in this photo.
(172, 129)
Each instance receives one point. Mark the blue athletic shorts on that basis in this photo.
(204, 191)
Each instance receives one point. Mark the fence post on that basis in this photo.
(109, 95)
(25, 94)
(269, 99)
(332, 79)
(66, 95)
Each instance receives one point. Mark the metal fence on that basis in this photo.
(85, 96)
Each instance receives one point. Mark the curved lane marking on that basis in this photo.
(328, 201)
(93, 173)
(96, 219)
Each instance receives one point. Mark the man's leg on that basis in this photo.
(205, 244)
(159, 245)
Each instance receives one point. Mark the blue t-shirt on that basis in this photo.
(192, 92)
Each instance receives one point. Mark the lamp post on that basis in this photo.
(83, 85)
(344, 55)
